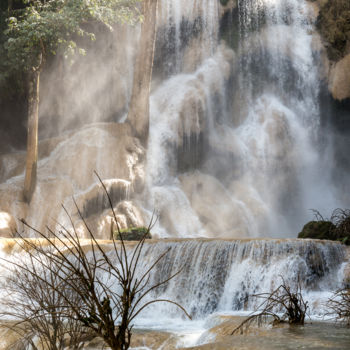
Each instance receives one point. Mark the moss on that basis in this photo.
(318, 230)
(325, 230)
(133, 233)
(334, 25)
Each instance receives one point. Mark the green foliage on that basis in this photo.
(10, 81)
(45, 27)
(133, 234)
(317, 230)
(337, 228)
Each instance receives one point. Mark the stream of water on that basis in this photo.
(236, 147)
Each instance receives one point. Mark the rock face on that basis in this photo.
(67, 169)
(339, 81)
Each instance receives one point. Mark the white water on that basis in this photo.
(236, 146)
(219, 278)
(261, 166)
(247, 119)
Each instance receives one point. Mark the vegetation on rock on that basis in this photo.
(317, 230)
(133, 234)
(337, 228)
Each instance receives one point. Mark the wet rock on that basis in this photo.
(339, 81)
(132, 214)
(317, 230)
(67, 168)
(103, 224)
(95, 200)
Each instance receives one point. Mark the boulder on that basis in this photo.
(317, 230)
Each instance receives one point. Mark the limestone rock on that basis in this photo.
(339, 81)
(66, 168)
(102, 223)
(95, 200)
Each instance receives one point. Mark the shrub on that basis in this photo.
(109, 284)
(336, 228)
(284, 299)
(339, 305)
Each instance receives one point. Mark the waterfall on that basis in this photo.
(221, 276)
(235, 147)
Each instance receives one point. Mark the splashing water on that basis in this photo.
(234, 147)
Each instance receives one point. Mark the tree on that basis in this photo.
(38, 308)
(107, 281)
(39, 28)
(138, 115)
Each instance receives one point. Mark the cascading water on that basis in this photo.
(235, 147)
(235, 151)
(222, 276)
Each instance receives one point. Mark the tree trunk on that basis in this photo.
(32, 136)
(138, 115)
